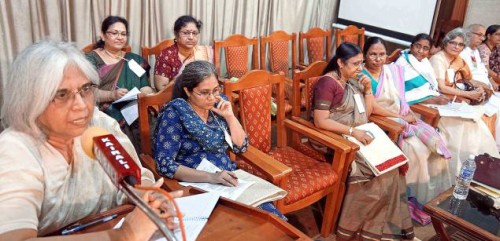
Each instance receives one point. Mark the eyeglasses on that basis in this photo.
(420, 47)
(115, 34)
(64, 96)
(188, 33)
(480, 35)
(356, 64)
(207, 93)
(456, 44)
(374, 56)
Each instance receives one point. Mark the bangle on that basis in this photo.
(368, 93)
(350, 130)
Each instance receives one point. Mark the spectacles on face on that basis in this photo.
(115, 34)
(207, 93)
(480, 35)
(374, 56)
(456, 44)
(64, 96)
(357, 64)
(420, 47)
(189, 33)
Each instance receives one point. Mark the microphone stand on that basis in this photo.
(162, 226)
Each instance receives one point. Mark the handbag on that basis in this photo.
(487, 170)
(459, 77)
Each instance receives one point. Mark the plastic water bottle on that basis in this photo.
(465, 177)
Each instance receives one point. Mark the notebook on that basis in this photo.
(251, 190)
(381, 155)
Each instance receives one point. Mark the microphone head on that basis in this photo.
(87, 139)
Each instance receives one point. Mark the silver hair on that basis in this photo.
(33, 79)
(192, 75)
(457, 32)
(472, 28)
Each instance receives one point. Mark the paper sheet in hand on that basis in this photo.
(130, 112)
(381, 155)
(131, 95)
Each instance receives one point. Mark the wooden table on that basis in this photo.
(470, 217)
(229, 221)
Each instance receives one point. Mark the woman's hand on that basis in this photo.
(119, 93)
(223, 108)
(476, 94)
(366, 82)
(362, 136)
(226, 178)
(410, 118)
(138, 226)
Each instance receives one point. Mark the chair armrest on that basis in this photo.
(344, 150)
(392, 128)
(274, 171)
(429, 115)
(168, 184)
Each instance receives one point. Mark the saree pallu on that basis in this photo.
(373, 207)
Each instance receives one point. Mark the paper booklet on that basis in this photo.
(251, 190)
(381, 155)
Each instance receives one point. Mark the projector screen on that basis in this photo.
(400, 19)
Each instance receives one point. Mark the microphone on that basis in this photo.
(99, 144)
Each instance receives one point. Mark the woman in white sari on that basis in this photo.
(428, 173)
(463, 137)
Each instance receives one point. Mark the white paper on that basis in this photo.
(359, 103)
(451, 75)
(130, 112)
(228, 192)
(136, 68)
(461, 110)
(131, 95)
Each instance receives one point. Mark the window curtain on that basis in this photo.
(23, 22)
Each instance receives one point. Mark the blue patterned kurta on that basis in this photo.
(183, 138)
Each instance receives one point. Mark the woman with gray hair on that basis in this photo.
(463, 137)
(46, 180)
(199, 125)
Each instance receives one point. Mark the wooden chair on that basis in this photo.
(236, 55)
(427, 114)
(351, 34)
(311, 178)
(149, 107)
(279, 44)
(90, 47)
(318, 44)
(146, 52)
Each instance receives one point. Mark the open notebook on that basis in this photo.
(252, 190)
(381, 155)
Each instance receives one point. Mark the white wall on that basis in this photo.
(485, 12)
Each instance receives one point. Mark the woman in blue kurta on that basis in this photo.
(199, 124)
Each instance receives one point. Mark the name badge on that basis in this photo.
(359, 103)
(227, 137)
(450, 73)
(136, 68)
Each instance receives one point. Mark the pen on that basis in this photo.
(76, 228)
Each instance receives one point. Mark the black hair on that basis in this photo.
(422, 36)
(372, 41)
(110, 20)
(182, 21)
(491, 30)
(192, 75)
(344, 52)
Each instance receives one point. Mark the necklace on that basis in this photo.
(119, 56)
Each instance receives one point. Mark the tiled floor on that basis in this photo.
(308, 220)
